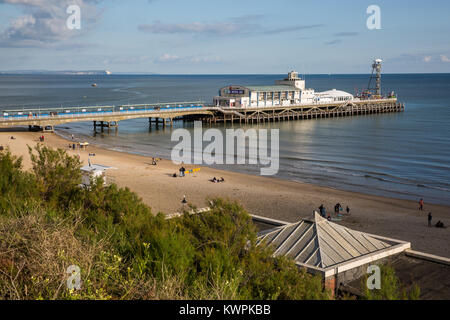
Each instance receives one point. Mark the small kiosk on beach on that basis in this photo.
(93, 171)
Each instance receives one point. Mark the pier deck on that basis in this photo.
(301, 112)
(109, 116)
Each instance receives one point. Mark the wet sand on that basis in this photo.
(269, 197)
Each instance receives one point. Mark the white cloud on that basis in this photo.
(171, 58)
(43, 22)
(444, 58)
(231, 27)
(166, 57)
(333, 42)
(220, 28)
(427, 59)
(345, 34)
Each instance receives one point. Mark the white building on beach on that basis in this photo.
(288, 92)
(93, 171)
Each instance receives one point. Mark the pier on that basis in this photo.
(303, 112)
(108, 117)
(101, 116)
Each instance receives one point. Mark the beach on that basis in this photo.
(269, 197)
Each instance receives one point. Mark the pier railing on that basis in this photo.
(88, 112)
(196, 110)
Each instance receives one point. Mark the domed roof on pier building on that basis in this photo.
(334, 93)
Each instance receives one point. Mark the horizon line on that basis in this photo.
(50, 72)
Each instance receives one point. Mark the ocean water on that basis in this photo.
(403, 155)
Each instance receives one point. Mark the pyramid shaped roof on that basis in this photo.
(320, 243)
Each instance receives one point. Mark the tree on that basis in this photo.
(16, 186)
(58, 175)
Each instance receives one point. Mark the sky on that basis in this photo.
(225, 37)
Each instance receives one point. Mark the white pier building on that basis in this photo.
(288, 92)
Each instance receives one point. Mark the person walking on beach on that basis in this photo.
(337, 208)
(348, 210)
(421, 205)
(322, 210)
(430, 217)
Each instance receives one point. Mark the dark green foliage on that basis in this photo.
(17, 188)
(391, 288)
(125, 252)
(57, 175)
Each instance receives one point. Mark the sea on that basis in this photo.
(401, 155)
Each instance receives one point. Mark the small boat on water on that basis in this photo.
(94, 85)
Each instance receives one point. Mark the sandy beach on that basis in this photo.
(270, 197)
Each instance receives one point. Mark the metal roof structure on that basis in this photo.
(95, 167)
(334, 93)
(274, 88)
(320, 243)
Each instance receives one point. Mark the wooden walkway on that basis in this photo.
(302, 112)
(109, 117)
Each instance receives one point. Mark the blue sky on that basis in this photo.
(204, 37)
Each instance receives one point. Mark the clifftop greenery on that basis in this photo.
(48, 223)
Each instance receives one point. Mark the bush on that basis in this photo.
(122, 249)
(391, 288)
(17, 188)
(57, 174)
(39, 253)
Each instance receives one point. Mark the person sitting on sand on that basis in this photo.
(221, 179)
(440, 224)
(214, 180)
(153, 161)
(184, 199)
(174, 175)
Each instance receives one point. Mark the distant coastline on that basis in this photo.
(62, 72)
(107, 72)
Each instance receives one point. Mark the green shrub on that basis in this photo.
(17, 188)
(390, 288)
(49, 222)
